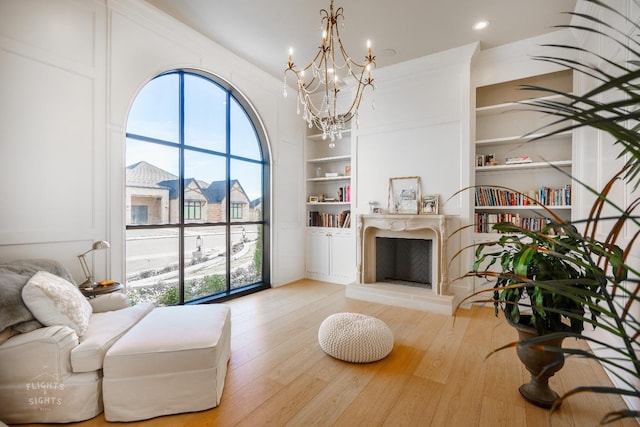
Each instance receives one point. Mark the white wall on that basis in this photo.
(69, 71)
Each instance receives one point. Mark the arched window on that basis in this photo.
(197, 175)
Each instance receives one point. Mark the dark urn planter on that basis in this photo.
(541, 364)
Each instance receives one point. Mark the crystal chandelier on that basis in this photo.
(320, 79)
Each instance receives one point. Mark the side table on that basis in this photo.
(101, 290)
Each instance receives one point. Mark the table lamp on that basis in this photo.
(89, 282)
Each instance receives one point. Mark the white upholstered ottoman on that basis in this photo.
(173, 361)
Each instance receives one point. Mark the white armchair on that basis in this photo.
(53, 375)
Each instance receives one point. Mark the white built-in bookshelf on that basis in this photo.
(512, 161)
(328, 181)
(330, 239)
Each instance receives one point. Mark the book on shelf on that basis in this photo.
(517, 160)
(344, 194)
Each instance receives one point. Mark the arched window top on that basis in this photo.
(208, 111)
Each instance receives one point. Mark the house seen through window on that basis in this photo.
(196, 190)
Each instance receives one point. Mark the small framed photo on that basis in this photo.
(313, 199)
(404, 195)
(490, 160)
(430, 204)
(480, 160)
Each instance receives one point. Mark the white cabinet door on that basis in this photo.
(317, 252)
(343, 256)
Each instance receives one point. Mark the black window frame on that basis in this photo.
(229, 222)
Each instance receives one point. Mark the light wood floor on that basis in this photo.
(436, 374)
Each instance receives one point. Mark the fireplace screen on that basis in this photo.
(403, 261)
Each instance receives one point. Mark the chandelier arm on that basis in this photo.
(324, 13)
(368, 81)
(359, 92)
(356, 103)
(334, 80)
(369, 59)
(345, 56)
(349, 62)
(291, 65)
(315, 58)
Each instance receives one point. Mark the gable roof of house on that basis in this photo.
(255, 202)
(172, 185)
(145, 174)
(216, 191)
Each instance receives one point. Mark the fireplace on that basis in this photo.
(404, 261)
(400, 245)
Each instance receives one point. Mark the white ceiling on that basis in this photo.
(263, 31)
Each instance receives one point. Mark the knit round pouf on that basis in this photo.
(355, 337)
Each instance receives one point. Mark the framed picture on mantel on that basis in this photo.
(404, 195)
(430, 204)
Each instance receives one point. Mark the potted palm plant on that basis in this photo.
(545, 284)
(583, 274)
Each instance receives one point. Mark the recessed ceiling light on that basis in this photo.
(480, 25)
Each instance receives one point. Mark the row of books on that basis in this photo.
(484, 222)
(554, 196)
(491, 196)
(323, 219)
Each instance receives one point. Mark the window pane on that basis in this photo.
(244, 141)
(155, 113)
(193, 210)
(205, 181)
(246, 259)
(205, 114)
(152, 265)
(248, 190)
(205, 262)
(152, 179)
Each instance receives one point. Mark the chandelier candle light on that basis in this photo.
(324, 80)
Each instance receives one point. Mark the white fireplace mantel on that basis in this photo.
(429, 227)
(408, 226)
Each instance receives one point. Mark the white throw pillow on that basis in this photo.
(55, 301)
